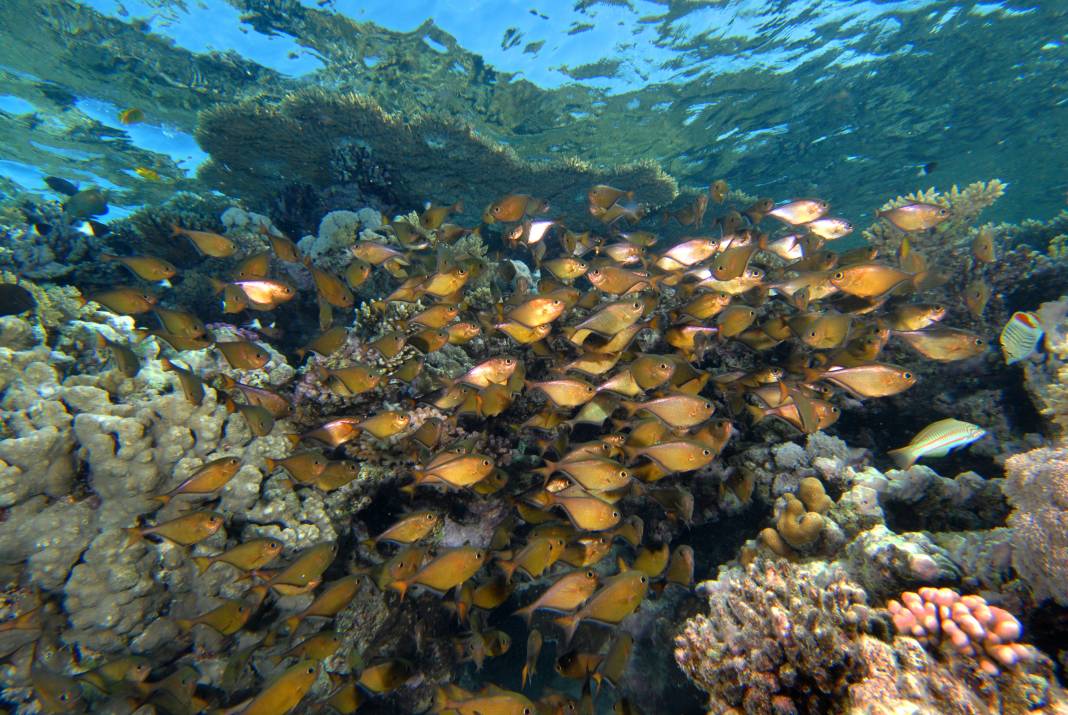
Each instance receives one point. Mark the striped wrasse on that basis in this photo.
(937, 440)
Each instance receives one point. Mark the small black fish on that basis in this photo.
(15, 299)
(61, 186)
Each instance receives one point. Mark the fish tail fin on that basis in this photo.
(176, 230)
(547, 470)
(569, 624)
(166, 365)
(291, 623)
(163, 499)
(184, 624)
(903, 457)
(630, 406)
(508, 567)
(217, 286)
(134, 533)
(441, 700)
(202, 563)
(758, 413)
(108, 257)
(526, 613)
(401, 587)
(631, 451)
(272, 464)
(369, 543)
(623, 567)
(294, 439)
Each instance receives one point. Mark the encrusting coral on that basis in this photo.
(775, 640)
(1037, 487)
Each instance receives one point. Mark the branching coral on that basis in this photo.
(775, 640)
(967, 624)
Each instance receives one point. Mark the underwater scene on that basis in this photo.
(516, 358)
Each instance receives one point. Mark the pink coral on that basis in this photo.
(968, 624)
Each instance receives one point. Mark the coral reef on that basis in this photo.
(253, 145)
(775, 640)
(1037, 487)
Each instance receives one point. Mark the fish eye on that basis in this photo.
(615, 514)
(636, 304)
(943, 212)
(706, 452)
(430, 517)
(907, 375)
(496, 209)
(663, 366)
(623, 473)
(978, 341)
(838, 275)
(812, 334)
(708, 405)
(485, 462)
(643, 579)
(310, 669)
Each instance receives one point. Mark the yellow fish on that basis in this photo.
(209, 479)
(184, 530)
(133, 115)
(943, 344)
(207, 243)
(618, 598)
(248, 556)
(125, 301)
(915, 216)
(192, 385)
(408, 529)
(568, 593)
(335, 598)
(226, 619)
(146, 268)
(243, 354)
(448, 570)
(147, 174)
(284, 693)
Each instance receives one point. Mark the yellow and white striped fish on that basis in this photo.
(1020, 336)
(936, 440)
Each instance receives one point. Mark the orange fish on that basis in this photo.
(207, 243)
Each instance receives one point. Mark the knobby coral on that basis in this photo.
(775, 640)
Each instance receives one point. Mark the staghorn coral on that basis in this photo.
(1037, 487)
(775, 640)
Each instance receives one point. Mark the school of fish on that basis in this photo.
(610, 355)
